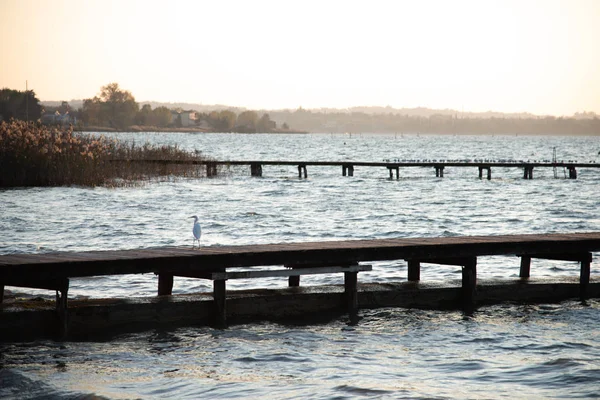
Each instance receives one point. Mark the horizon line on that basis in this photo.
(349, 108)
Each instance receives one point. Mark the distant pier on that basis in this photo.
(567, 169)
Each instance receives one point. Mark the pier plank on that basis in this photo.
(53, 270)
(348, 251)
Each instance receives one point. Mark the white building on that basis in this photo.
(188, 118)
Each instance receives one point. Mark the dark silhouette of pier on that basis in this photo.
(53, 271)
(393, 167)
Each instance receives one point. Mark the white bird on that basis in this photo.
(197, 231)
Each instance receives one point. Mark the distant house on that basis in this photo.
(187, 118)
(56, 118)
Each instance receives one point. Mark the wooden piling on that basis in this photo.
(294, 281)
(219, 297)
(347, 169)
(255, 169)
(524, 272)
(469, 284)
(301, 170)
(489, 172)
(62, 307)
(350, 289)
(584, 257)
(414, 270)
(584, 277)
(165, 284)
(211, 169)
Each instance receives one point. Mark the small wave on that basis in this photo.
(461, 366)
(18, 386)
(562, 362)
(272, 358)
(360, 391)
(450, 233)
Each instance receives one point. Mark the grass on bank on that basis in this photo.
(32, 154)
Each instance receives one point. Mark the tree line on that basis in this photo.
(117, 109)
(24, 106)
(396, 122)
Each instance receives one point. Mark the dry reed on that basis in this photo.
(32, 154)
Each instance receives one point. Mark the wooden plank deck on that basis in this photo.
(401, 163)
(207, 259)
(53, 271)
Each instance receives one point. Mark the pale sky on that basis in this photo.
(538, 56)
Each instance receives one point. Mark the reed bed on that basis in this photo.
(32, 154)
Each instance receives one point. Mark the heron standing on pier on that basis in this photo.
(197, 231)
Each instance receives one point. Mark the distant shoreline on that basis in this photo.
(136, 129)
(94, 129)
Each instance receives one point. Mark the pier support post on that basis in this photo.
(439, 171)
(584, 277)
(391, 169)
(301, 169)
(219, 297)
(489, 172)
(61, 307)
(165, 284)
(255, 169)
(294, 281)
(350, 289)
(414, 270)
(524, 272)
(211, 169)
(469, 284)
(347, 169)
(528, 172)
(572, 173)
(585, 258)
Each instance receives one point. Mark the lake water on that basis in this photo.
(543, 351)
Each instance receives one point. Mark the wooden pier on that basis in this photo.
(54, 270)
(569, 169)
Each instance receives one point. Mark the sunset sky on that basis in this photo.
(539, 56)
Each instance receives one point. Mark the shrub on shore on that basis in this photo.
(32, 154)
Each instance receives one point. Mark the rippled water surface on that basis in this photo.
(504, 351)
